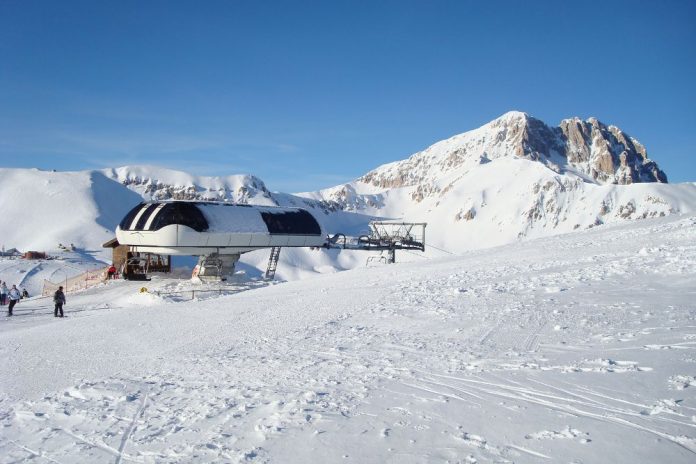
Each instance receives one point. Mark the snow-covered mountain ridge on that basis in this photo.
(83, 208)
(573, 348)
(511, 179)
(589, 148)
(154, 183)
(517, 177)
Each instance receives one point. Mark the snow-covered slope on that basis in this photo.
(41, 209)
(572, 348)
(516, 178)
(154, 183)
(600, 153)
(45, 209)
(510, 199)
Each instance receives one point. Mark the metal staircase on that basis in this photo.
(272, 263)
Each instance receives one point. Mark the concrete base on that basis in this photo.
(214, 267)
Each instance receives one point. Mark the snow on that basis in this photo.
(233, 219)
(157, 183)
(571, 348)
(238, 218)
(516, 199)
(30, 274)
(469, 189)
(43, 209)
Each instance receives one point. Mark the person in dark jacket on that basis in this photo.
(15, 296)
(59, 300)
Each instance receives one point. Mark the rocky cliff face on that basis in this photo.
(164, 184)
(516, 178)
(606, 154)
(598, 153)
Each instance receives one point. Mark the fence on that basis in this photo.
(79, 282)
(226, 290)
(183, 294)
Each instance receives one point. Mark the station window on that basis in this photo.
(291, 222)
(126, 222)
(182, 213)
(145, 216)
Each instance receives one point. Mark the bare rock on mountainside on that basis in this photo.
(517, 178)
(600, 153)
(606, 153)
(164, 184)
(514, 178)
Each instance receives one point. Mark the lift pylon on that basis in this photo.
(384, 236)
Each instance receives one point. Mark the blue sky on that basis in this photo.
(307, 95)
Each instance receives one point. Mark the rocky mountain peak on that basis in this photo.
(154, 183)
(510, 116)
(596, 152)
(607, 154)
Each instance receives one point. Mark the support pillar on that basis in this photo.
(215, 267)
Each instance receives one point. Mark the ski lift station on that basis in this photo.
(218, 233)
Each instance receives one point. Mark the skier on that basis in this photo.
(3, 294)
(25, 294)
(111, 272)
(15, 296)
(59, 300)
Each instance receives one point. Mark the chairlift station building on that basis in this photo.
(220, 232)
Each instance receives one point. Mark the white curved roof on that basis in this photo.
(234, 218)
(185, 227)
(221, 218)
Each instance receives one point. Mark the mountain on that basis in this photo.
(42, 209)
(573, 348)
(154, 183)
(511, 179)
(515, 178)
(596, 152)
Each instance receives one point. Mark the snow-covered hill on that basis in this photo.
(514, 178)
(556, 347)
(517, 178)
(42, 209)
(571, 348)
(600, 153)
(153, 183)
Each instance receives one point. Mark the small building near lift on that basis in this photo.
(35, 255)
(133, 265)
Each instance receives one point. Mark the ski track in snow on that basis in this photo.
(571, 348)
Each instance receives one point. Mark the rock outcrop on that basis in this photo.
(606, 153)
(599, 153)
(164, 184)
(516, 178)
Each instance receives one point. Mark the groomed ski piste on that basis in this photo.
(572, 348)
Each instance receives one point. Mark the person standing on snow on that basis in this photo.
(3, 294)
(59, 300)
(15, 296)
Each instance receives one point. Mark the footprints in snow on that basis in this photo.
(680, 382)
(566, 433)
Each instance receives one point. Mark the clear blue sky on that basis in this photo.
(311, 94)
